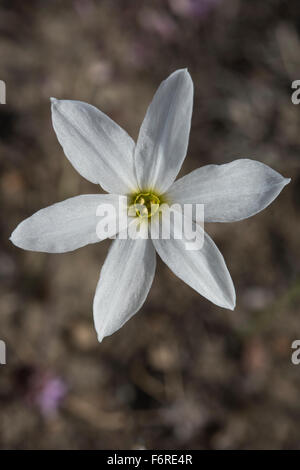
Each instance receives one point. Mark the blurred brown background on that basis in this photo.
(182, 373)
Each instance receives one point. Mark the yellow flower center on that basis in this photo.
(146, 204)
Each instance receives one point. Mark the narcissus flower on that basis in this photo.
(104, 154)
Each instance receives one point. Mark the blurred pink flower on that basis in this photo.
(84, 8)
(46, 391)
(140, 54)
(158, 22)
(192, 8)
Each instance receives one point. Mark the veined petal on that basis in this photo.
(229, 192)
(164, 134)
(96, 146)
(70, 224)
(202, 269)
(124, 283)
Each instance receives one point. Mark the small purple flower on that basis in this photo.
(158, 22)
(202, 7)
(51, 394)
(84, 8)
(193, 8)
(46, 391)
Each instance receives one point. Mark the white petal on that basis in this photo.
(164, 134)
(229, 192)
(67, 225)
(97, 147)
(204, 270)
(124, 283)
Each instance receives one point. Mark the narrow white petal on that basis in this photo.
(68, 225)
(164, 134)
(229, 192)
(124, 283)
(204, 270)
(97, 147)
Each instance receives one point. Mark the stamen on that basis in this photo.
(146, 204)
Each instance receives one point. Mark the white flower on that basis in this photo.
(104, 154)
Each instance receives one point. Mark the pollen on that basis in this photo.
(146, 204)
